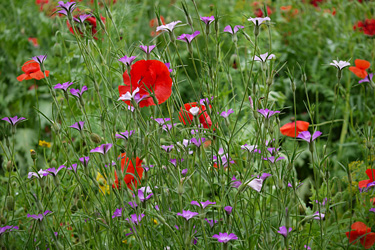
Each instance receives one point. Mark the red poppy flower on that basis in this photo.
(129, 178)
(363, 232)
(32, 71)
(91, 21)
(360, 68)
(155, 23)
(34, 41)
(289, 129)
(367, 27)
(204, 118)
(316, 2)
(371, 174)
(150, 75)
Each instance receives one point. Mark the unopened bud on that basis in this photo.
(10, 203)
(9, 166)
(56, 127)
(256, 30)
(95, 138)
(33, 154)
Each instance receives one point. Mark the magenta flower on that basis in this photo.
(117, 213)
(147, 168)
(135, 219)
(202, 204)
(66, 8)
(38, 216)
(236, 183)
(251, 102)
(257, 183)
(318, 216)
(127, 60)
(306, 135)
(234, 30)
(307, 247)
(184, 172)
(187, 37)
(82, 18)
(187, 214)
(169, 67)
(197, 142)
(142, 196)
(167, 148)
(8, 228)
(211, 222)
(284, 231)
(228, 209)
(147, 49)
(259, 20)
(225, 237)
(73, 167)
(174, 161)
(267, 113)
(226, 114)
(125, 135)
(162, 121)
(41, 173)
(273, 159)
(368, 78)
(168, 27)
(78, 125)
(340, 65)
(168, 127)
(251, 148)
(39, 59)
(78, 92)
(54, 171)
(64, 86)
(102, 149)
(132, 204)
(13, 120)
(205, 101)
(372, 210)
(264, 57)
(84, 160)
(207, 19)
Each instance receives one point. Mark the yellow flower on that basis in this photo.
(103, 186)
(155, 221)
(44, 144)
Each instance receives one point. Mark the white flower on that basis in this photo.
(264, 57)
(127, 96)
(194, 111)
(340, 64)
(259, 20)
(168, 27)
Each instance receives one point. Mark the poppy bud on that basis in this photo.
(95, 138)
(33, 154)
(9, 166)
(10, 203)
(216, 25)
(180, 189)
(80, 204)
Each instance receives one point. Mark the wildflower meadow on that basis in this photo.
(187, 124)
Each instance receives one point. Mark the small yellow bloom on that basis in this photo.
(103, 186)
(155, 221)
(44, 144)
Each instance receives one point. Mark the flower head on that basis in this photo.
(133, 175)
(264, 57)
(125, 135)
(54, 171)
(236, 183)
(228, 209)
(103, 186)
(64, 86)
(211, 222)
(365, 183)
(167, 148)
(13, 120)
(225, 237)
(117, 212)
(360, 68)
(168, 27)
(141, 194)
(187, 37)
(41, 173)
(197, 142)
(102, 149)
(318, 216)
(251, 148)
(363, 233)
(82, 18)
(185, 114)
(187, 214)
(267, 113)
(207, 19)
(40, 59)
(66, 8)
(202, 204)
(8, 228)
(38, 216)
(306, 135)
(78, 125)
(84, 160)
(32, 70)
(257, 183)
(127, 60)
(226, 114)
(147, 49)
(340, 64)
(78, 92)
(161, 121)
(259, 20)
(292, 129)
(284, 231)
(368, 78)
(234, 30)
(135, 219)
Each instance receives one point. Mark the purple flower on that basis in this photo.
(207, 19)
(147, 168)
(340, 65)
(228, 209)
(130, 96)
(211, 222)
(226, 114)
(63, 86)
(174, 161)
(125, 135)
(73, 167)
(187, 37)
(66, 8)
(82, 18)
(306, 135)
(147, 49)
(167, 148)
(307, 247)
(117, 213)
(168, 127)
(197, 142)
(251, 148)
(290, 185)
(267, 113)
(78, 125)
(39, 59)
(84, 160)
(127, 60)
(132, 204)
(187, 214)
(257, 183)
(41, 173)
(202, 204)
(13, 120)
(77, 92)
(168, 27)
(141, 195)
(318, 216)
(184, 172)
(103, 149)
(251, 102)
(135, 219)
(9, 228)
(169, 67)
(162, 121)
(205, 101)
(234, 30)
(372, 210)
(236, 183)
(225, 237)
(284, 231)
(264, 57)
(273, 159)
(38, 216)
(259, 20)
(368, 78)
(55, 171)
(130, 108)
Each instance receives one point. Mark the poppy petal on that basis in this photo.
(358, 72)
(363, 184)
(371, 174)
(368, 240)
(37, 75)
(353, 236)
(362, 64)
(30, 67)
(22, 77)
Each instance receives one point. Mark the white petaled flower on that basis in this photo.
(264, 57)
(259, 20)
(194, 111)
(168, 27)
(128, 96)
(340, 64)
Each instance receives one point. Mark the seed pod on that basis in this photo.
(95, 138)
(9, 166)
(33, 154)
(10, 203)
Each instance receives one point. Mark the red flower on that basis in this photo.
(204, 118)
(371, 174)
(129, 178)
(367, 27)
(32, 71)
(34, 41)
(289, 129)
(363, 232)
(316, 2)
(91, 21)
(360, 68)
(150, 75)
(155, 23)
